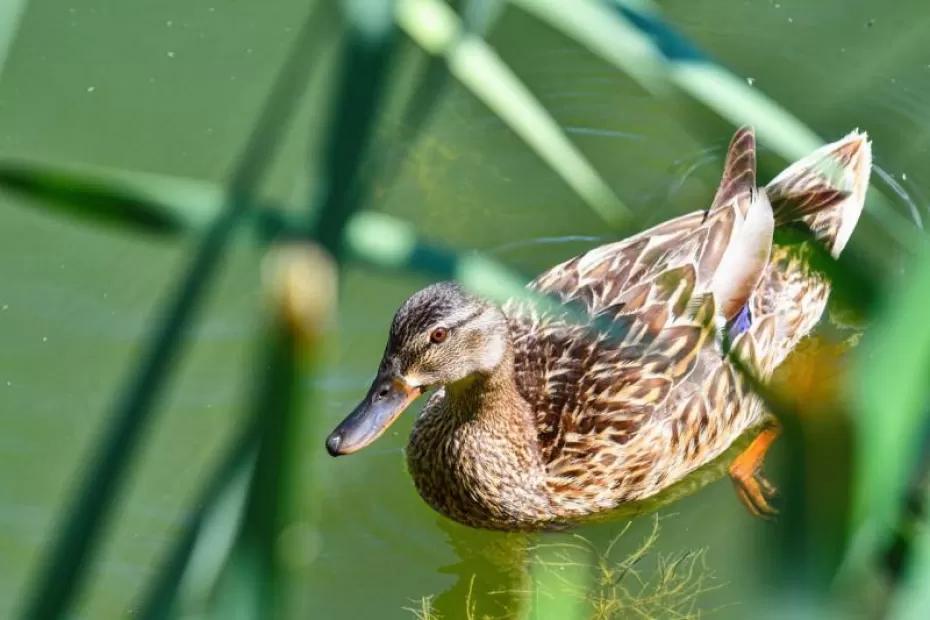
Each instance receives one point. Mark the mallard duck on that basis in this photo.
(542, 419)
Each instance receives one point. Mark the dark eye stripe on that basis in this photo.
(464, 320)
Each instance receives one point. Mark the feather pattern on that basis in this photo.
(634, 398)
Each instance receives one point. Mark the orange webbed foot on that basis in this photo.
(753, 489)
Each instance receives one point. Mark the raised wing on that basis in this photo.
(739, 169)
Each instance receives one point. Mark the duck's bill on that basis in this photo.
(385, 401)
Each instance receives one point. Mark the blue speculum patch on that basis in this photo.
(739, 323)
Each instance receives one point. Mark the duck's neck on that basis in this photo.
(489, 399)
(474, 454)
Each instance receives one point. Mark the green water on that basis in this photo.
(173, 87)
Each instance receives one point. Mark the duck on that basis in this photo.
(639, 373)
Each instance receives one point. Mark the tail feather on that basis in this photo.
(739, 170)
(825, 190)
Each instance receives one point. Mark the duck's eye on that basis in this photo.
(438, 335)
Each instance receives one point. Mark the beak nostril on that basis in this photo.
(383, 392)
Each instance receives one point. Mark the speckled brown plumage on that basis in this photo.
(578, 418)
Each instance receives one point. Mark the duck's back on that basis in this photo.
(636, 398)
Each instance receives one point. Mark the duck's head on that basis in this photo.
(440, 335)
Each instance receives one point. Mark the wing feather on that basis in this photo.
(594, 391)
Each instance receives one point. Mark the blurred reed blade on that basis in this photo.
(632, 36)
(253, 563)
(437, 29)
(416, 114)
(137, 202)
(67, 561)
(477, 16)
(595, 25)
(303, 284)
(206, 537)
(377, 239)
(388, 243)
(355, 108)
(145, 203)
(10, 13)
(655, 55)
(890, 388)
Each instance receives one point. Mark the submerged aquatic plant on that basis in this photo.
(641, 582)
